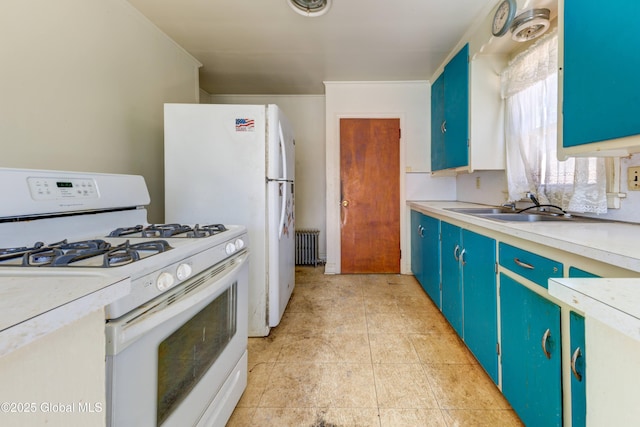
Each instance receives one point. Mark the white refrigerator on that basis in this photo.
(234, 164)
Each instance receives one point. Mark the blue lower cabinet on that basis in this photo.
(576, 272)
(578, 360)
(531, 356)
(425, 253)
(578, 371)
(416, 245)
(431, 258)
(480, 300)
(469, 292)
(451, 276)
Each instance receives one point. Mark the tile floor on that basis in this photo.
(365, 350)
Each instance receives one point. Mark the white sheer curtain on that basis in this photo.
(530, 88)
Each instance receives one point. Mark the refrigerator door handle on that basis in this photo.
(283, 151)
(282, 211)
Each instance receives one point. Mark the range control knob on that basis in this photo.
(239, 244)
(165, 281)
(183, 271)
(230, 248)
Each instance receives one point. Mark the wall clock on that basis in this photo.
(503, 17)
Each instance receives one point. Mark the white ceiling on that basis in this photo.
(264, 47)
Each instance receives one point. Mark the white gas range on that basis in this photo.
(189, 286)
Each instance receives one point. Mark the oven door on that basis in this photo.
(168, 360)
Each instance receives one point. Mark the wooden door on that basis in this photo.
(370, 195)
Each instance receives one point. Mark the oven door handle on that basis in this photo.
(126, 330)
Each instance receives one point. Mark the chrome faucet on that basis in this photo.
(539, 207)
(533, 198)
(510, 205)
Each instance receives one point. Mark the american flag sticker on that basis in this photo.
(245, 125)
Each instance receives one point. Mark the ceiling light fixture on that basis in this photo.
(530, 25)
(310, 7)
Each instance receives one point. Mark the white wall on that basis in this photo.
(486, 187)
(307, 116)
(408, 101)
(82, 87)
(629, 206)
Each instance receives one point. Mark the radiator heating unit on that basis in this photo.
(307, 247)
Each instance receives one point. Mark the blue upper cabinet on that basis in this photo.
(450, 114)
(599, 77)
(456, 109)
(467, 114)
(438, 160)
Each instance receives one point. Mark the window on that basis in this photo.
(530, 89)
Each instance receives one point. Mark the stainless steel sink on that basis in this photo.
(527, 217)
(482, 211)
(507, 214)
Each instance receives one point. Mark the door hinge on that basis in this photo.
(400, 133)
(495, 267)
(498, 348)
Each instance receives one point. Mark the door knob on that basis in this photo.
(345, 203)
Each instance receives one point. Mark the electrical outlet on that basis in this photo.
(633, 178)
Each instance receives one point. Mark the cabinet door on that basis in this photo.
(451, 281)
(600, 90)
(578, 371)
(456, 109)
(577, 345)
(438, 160)
(480, 299)
(416, 245)
(531, 379)
(431, 258)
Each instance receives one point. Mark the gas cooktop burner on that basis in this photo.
(170, 230)
(65, 254)
(126, 252)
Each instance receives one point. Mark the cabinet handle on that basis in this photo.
(574, 359)
(443, 126)
(420, 231)
(462, 256)
(545, 338)
(523, 264)
(455, 253)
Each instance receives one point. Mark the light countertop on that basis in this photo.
(614, 243)
(32, 306)
(614, 302)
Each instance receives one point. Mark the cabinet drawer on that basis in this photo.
(534, 267)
